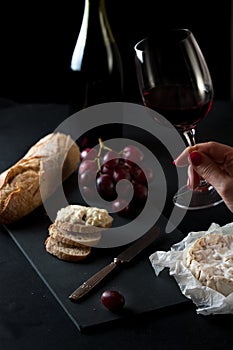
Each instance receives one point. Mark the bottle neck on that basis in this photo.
(96, 15)
(94, 24)
(94, 4)
(92, 12)
(94, 7)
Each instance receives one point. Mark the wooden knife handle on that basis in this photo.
(88, 285)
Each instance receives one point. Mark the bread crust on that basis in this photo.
(20, 184)
(65, 251)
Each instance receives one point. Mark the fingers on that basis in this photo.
(211, 172)
(215, 175)
(214, 150)
(193, 178)
(183, 158)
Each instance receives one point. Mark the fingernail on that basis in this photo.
(174, 162)
(195, 158)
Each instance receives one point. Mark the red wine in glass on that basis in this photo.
(164, 100)
(174, 80)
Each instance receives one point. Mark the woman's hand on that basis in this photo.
(213, 162)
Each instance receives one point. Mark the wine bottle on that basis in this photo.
(96, 62)
(97, 70)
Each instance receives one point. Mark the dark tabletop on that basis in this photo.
(31, 318)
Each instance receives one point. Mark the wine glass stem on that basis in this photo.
(190, 137)
(191, 141)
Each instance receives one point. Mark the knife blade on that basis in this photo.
(124, 257)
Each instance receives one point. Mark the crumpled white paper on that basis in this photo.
(207, 300)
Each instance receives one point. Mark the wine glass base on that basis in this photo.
(190, 199)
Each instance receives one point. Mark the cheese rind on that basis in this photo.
(210, 259)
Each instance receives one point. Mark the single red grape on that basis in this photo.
(107, 170)
(121, 207)
(88, 192)
(89, 153)
(106, 186)
(87, 177)
(123, 187)
(111, 159)
(121, 173)
(133, 153)
(113, 300)
(140, 193)
(149, 174)
(87, 165)
(139, 176)
(84, 153)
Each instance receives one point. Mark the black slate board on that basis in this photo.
(143, 291)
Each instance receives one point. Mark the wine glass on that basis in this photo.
(174, 80)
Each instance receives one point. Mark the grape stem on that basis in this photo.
(102, 146)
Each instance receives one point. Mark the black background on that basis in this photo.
(37, 40)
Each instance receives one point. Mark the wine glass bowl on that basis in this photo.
(174, 80)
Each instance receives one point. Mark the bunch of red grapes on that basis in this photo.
(107, 167)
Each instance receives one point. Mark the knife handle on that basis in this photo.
(88, 285)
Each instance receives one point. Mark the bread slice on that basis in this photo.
(78, 218)
(76, 229)
(66, 252)
(74, 238)
(210, 259)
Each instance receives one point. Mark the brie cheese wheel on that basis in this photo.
(210, 259)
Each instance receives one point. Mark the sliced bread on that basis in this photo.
(76, 229)
(66, 251)
(74, 238)
(78, 218)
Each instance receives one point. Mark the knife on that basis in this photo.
(126, 256)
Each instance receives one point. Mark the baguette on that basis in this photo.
(65, 251)
(20, 184)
